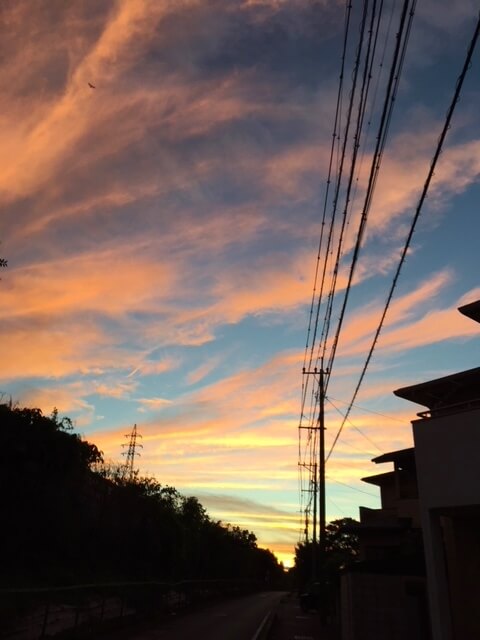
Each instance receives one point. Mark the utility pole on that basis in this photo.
(317, 475)
(131, 452)
(321, 493)
(314, 536)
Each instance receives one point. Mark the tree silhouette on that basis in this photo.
(3, 263)
(74, 518)
(341, 548)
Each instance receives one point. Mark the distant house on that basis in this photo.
(447, 452)
(384, 594)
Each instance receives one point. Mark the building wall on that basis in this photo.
(388, 494)
(447, 457)
(381, 607)
(448, 470)
(407, 484)
(409, 509)
(462, 546)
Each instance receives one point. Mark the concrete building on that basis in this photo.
(447, 453)
(384, 594)
(388, 532)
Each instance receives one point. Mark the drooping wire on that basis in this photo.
(309, 447)
(377, 413)
(402, 39)
(351, 486)
(386, 39)
(345, 417)
(416, 216)
(308, 452)
(337, 507)
(335, 135)
(362, 105)
(340, 170)
(392, 87)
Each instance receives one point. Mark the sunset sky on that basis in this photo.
(161, 231)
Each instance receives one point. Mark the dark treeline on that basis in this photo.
(68, 518)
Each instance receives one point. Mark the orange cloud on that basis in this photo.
(110, 281)
(66, 398)
(39, 150)
(402, 308)
(151, 212)
(43, 350)
(148, 367)
(116, 389)
(153, 403)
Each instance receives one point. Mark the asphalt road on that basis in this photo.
(237, 619)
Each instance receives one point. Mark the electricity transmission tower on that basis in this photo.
(131, 452)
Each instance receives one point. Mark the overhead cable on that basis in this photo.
(308, 365)
(392, 88)
(362, 105)
(416, 216)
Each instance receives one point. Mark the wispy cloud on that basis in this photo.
(153, 403)
(204, 370)
(162, 230)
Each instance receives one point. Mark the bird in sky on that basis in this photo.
(91, 86)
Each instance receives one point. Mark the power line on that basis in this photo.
(350, 486)
(361, 109)
(336, 506)
(358, 101)
(389, 101)
(350, 201)
(377, 413)
(416, 216)
(307, 450)
(314, 399)
(355, 427)
(386, 40)
(335, 135)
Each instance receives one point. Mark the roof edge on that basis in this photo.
(471, 310)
